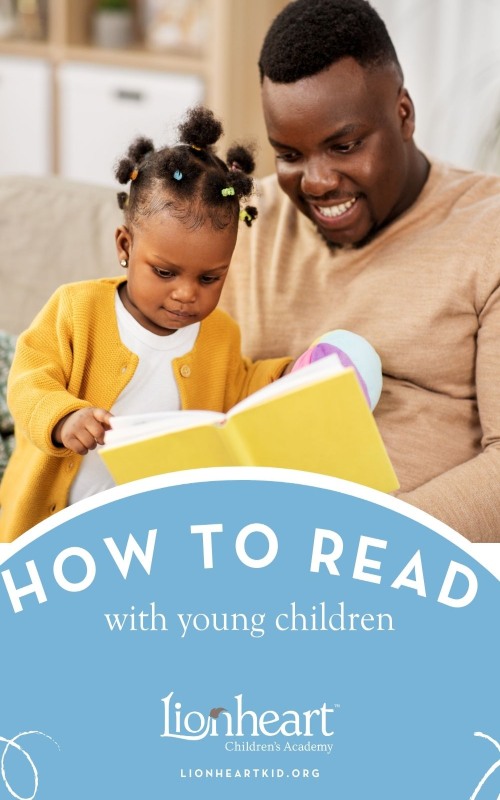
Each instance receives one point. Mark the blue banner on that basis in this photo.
(243, 632)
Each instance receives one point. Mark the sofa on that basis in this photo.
(52, 231)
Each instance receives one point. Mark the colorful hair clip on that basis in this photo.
(228, 191)
(177, 175)
(245, 216)
(134, 174)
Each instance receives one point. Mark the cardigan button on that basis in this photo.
(185, 371)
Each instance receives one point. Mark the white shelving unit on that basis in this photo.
(26, 126)
(103, 108)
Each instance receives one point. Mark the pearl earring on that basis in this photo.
(124, 263)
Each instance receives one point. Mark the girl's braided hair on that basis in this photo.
(188, 179)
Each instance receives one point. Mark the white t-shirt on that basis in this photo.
(152, 388)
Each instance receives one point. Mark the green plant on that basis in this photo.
(113, 5)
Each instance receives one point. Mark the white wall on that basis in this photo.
(450, 54)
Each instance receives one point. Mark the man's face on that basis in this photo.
(342, 141)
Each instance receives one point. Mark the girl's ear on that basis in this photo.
(123, 241)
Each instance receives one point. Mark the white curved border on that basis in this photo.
(487, 555)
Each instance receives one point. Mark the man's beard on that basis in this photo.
(355, 245)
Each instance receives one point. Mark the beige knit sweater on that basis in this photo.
(426, 293)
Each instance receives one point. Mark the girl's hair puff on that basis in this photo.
(200, 128)
(139, 148)
(241, 157)
(189, 179)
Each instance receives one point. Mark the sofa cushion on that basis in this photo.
(53, 231)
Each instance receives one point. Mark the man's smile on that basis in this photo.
(334, 210)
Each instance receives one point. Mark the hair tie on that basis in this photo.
(177, 175)
(245, 216)
(235, 167)
(134, 174)
(195, 147)
(228, 191)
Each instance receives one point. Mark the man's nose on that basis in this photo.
(319, 177)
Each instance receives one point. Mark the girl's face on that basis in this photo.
(175, 275)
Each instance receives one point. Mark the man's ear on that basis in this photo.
(123, 240)
(406, 111)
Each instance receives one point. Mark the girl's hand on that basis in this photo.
(82, 430)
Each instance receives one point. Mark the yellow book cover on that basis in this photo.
(315, 419)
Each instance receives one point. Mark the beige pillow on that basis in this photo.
(52, 231)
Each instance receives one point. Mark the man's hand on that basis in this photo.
(82, 430)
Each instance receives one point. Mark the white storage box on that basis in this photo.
(102, 109)
(25, 117)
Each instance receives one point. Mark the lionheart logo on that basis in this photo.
(194, 725)
(13, 744)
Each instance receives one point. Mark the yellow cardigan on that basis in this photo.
(71, 357)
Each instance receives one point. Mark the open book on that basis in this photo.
(315, 419)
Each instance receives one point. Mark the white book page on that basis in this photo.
(134, 427)
(312, 373)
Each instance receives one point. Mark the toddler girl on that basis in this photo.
(151, 340)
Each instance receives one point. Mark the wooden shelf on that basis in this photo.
(136, 58)
(25, 48)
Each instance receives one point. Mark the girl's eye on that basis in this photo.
(163, 273)
(206, 280)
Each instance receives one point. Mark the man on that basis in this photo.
(360, 230)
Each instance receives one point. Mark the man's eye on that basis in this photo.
(163, 273)
(288, 157)
(348, 147)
